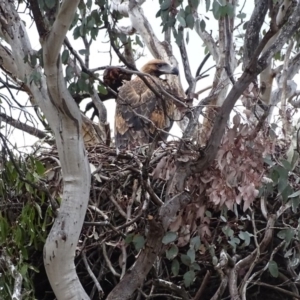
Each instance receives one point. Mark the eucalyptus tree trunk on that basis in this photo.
(64, 118)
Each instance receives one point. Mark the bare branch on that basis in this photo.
(24, 127)
(206, 38)
(133, 279)
(187, 69)
(253, 29)
(285, 121)
(92, 275)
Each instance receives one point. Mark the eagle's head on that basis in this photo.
(157, 67)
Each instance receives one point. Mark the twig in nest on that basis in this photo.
(202, 286)
(99, 211)
(279, 289)
(171, 286)
(132, 199)
(223, 285)
(121, 211)
(152, 194)
(124, 259)
(105, 223)
(92, 275)
(144, 208)
(108, 262)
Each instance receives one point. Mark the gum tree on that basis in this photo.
(224, 162)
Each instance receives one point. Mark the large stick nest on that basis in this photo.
(129, 188)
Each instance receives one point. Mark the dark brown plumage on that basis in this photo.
(113, 77)
(140, 114)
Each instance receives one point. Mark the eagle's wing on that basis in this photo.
(138, 114)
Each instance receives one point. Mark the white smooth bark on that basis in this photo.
(64, 118)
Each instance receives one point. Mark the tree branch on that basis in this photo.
(253, 29)
(135, 277)
(24, 127)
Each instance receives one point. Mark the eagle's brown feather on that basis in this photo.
(140, 114)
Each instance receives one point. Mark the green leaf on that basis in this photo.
(33, 60)
(191, 254)
(94, 33)
(194, 266)
(208, 214)
(245, 25)
(4, 228)
(223, 10)
(207, 5)
(202, 25)
(65, 56)
(195, 242)
(129, 238)
(216, 9)
(195, 3)
(138, 242)
(268, 160)
(169, 237)
(181, 21)
(82, 85)
(76, 33)
(286, 234)
(91, 23)
(190, 21)
(188, 10)
(89, 3)
(50, 3)
(23, 270)
(245, 236)
(286, 165)
(294, 195)
(175, 267)
(165, 5)
(35, 77)
(185, 259)
(172, 252)
(69, 72)
(138, 41)
(295, 204)
(227, 231)
(102, 89)
(230, 10)
(188, 278)
(241, 15)
(83, 51)
(234, 242)
(286, 192)
(40, 169)
(28, 188)
(277, 55)
(273, 268)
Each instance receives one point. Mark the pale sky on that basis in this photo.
(100, 57)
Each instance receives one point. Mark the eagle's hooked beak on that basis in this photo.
(168, 69)
(175, 71)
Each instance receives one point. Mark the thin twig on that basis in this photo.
(92, 275)
(202, 286)
(108, 262)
